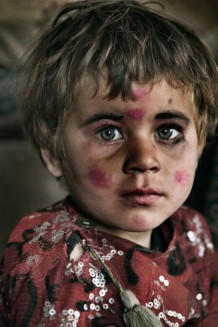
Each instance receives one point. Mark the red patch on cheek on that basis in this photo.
(181, 176)
(98, 178)
(136, 114)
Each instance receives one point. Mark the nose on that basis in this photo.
(141, 157)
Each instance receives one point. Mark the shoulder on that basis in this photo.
(39, 237)
(192, 219)
(193, 229)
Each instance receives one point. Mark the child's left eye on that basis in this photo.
(170, 132)
(109, 133)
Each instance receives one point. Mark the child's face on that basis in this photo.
(131, 164)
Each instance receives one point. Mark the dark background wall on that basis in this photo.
(25, 185)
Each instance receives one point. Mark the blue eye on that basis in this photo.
(109, 133)
(170, 132)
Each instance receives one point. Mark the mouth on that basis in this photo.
(140, 197)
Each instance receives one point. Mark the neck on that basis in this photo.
(140, 238)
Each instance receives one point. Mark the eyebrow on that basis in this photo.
(101, 116)
(172, 114)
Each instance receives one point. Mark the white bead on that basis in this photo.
(161, 279)
(191, 236)
(199, 296)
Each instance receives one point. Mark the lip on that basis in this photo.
(143, 197)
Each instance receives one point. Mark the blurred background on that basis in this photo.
(25, 184)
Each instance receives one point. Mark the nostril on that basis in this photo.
(137, 169)
(141, 169)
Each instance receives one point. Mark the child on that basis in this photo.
(118, 100)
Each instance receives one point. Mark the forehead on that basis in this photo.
(92, 96)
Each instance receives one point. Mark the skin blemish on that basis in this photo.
(136, 114)
(181, 176)
(139, 222)
(98, 178)
(140, 94)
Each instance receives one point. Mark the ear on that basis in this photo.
(53, 165)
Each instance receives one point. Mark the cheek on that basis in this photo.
(99, 178)
(136, 114)
(182, 177)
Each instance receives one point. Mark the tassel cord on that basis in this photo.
(105, 267)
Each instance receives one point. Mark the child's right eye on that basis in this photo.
(109, 133)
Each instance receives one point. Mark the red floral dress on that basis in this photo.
(42, 284)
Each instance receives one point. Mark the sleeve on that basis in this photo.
(203, 259)
(4, 309)
(212, 317)
(210, 265)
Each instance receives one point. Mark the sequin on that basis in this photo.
(102, 292)
(70, 311)
(85, 223)
(85, 307)
(210, 246)
(192, 312)
(49, 310)
(157, 304)
(201, 250)
(161, 279)
(98, 314)
(199, 296)
(69, 318)
(80, 264)
(78, 270)
(92, 306)
(166, 283)
(204, 302)
(52, 312)
(105, 306)
(91, 272)
(191, 236)
(161, 315)
(91, 296)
